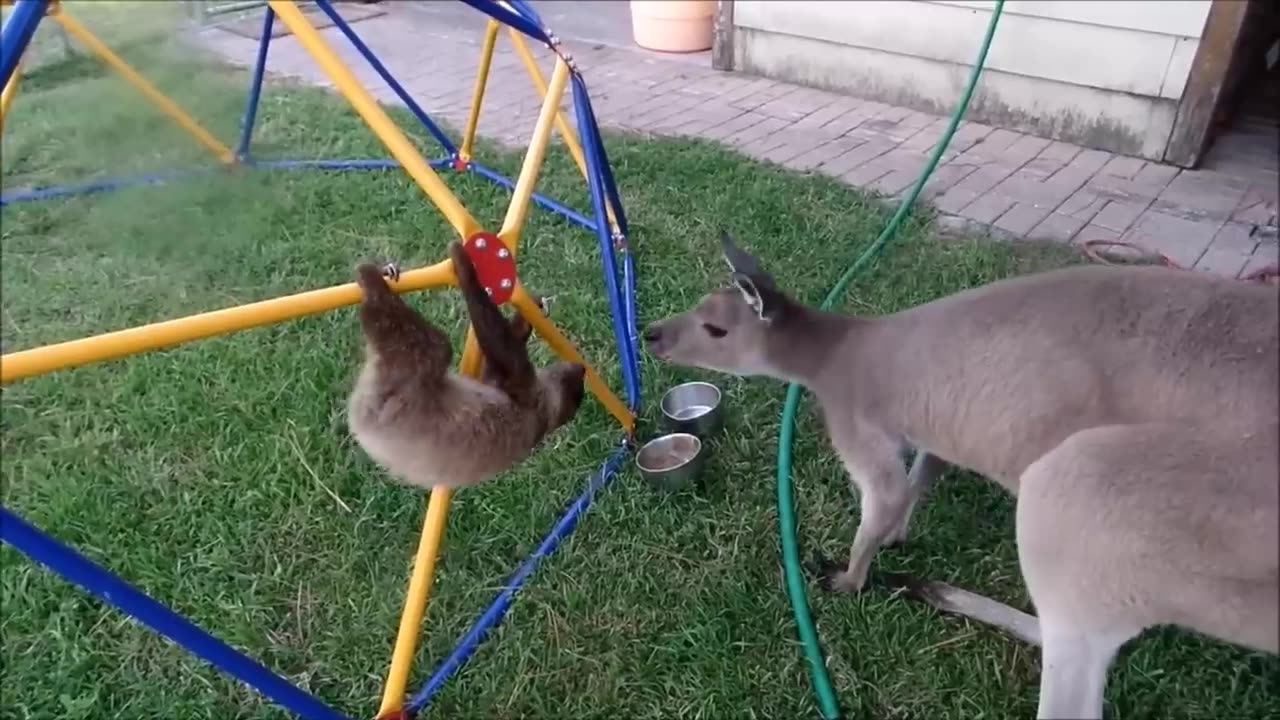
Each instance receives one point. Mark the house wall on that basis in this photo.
(1103, 74)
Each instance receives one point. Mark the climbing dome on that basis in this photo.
(606, 220)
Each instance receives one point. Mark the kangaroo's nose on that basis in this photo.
(652, 334)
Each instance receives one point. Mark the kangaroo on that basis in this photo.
(426, 425)
(1133, 412)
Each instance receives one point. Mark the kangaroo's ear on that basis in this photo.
(763, 299)
(750, 292)
(743, 263)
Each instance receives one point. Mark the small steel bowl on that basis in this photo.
(671, 462)
(694, 408)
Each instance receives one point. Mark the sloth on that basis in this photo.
(428, 426)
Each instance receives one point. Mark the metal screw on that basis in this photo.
(481, 244)
(489, 290)
(503, 253)
(506, 283)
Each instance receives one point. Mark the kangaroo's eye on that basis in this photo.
(713, 331)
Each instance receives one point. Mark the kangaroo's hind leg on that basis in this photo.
(1125, 527)
(506, 357)
(1063, 562)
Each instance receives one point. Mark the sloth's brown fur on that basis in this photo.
(426, 425)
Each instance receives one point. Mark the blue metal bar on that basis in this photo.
(493, 614)
(567, 212)
(255, 86)
(632, 318)
(386, 76)
(526, 9)
(358, 164)
(627, 353)
(603, 167)
(46, 193)
(626, 350)
(113, 590)
(606, 169)
(624, 248)
(16, 34)
(514, 18)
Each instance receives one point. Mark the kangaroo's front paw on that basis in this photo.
(835, 577)
(844, 582)
(391, 271)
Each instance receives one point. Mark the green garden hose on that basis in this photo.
(827, 702)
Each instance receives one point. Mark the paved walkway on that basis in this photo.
(991, 179)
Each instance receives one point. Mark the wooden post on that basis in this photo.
(1189, 138)
(722, 41)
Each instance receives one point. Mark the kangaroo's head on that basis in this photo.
(733, 329)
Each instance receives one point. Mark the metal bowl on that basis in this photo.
(671, 462)
(694, 408)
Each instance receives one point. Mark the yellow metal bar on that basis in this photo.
(562, 126)
(10, 91)
(540, 84)
(563, 347)
(113, 345)
(423, 577)
(376, 118)
(518, 209)
(415, 604)
(424, 570)
(162, 101)
(477, 94)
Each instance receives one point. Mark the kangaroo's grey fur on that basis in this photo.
(1133, 411)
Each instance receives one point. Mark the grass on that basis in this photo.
(204, 473)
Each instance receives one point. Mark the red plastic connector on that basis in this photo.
(495, 265)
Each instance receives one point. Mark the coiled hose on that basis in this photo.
(826, 697)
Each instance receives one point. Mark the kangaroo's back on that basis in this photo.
(993, 377)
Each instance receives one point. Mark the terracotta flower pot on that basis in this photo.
(673, 25)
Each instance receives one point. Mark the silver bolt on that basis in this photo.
(506, 284)
(503, 253)
(489, 290)
(481, 243)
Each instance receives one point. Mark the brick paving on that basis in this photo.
(991, 181)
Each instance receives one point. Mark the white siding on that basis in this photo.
(1118, 65)
(1170, 17)
(1096, 54)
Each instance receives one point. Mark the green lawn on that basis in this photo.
(204, 473)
